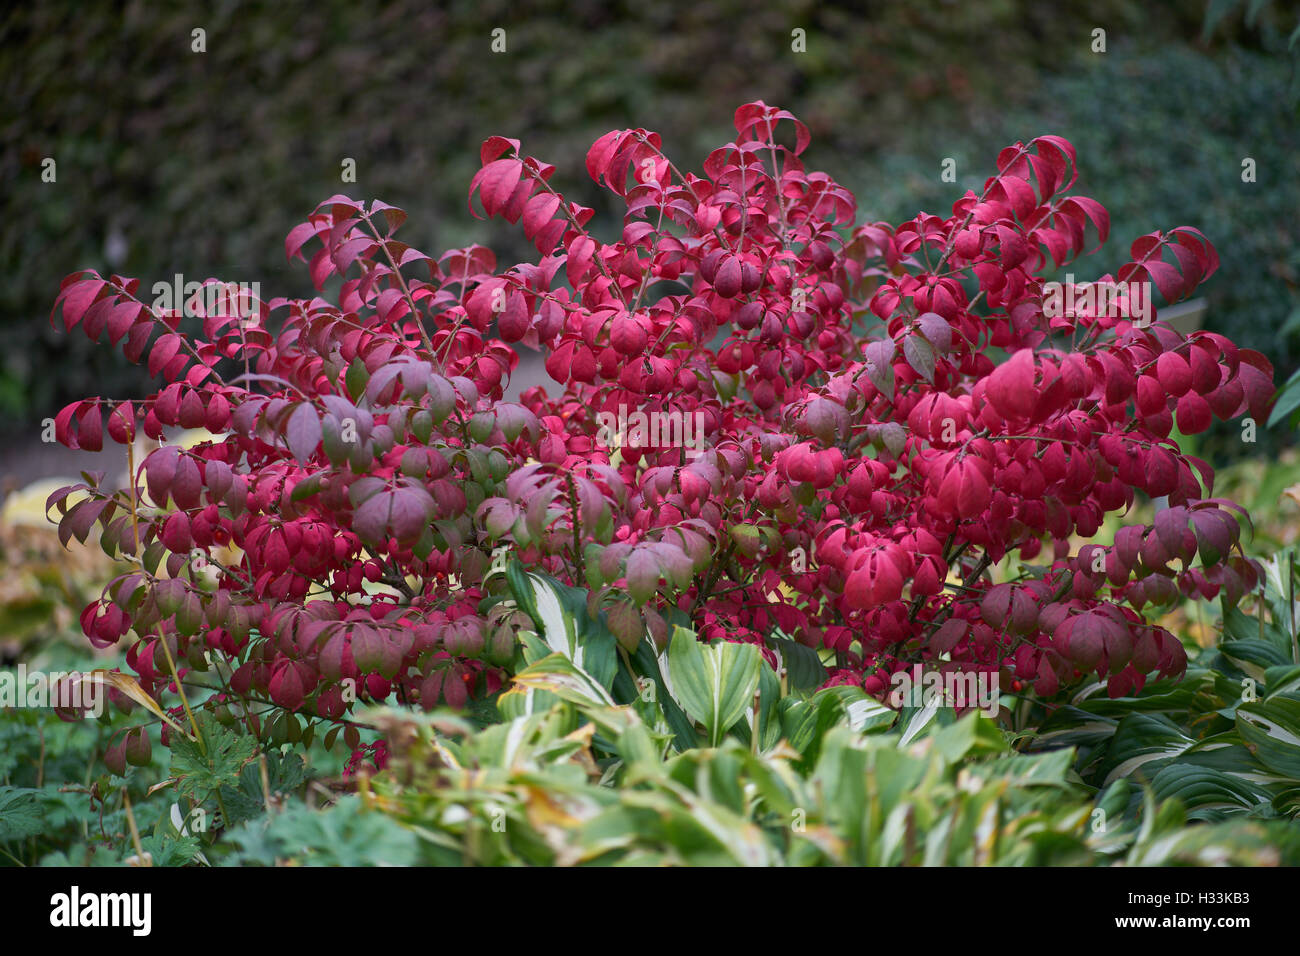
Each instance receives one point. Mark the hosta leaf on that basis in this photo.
(803, 666)
(1272, 728)
(715, 684)
(1253, 656)
(1141, 739)
(1206, 793)
(561, 676)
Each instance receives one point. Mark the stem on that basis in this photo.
(573, 222)
(12, 857)
(714, 571)
(135, 833)
(401, 283)
(171, 663)
(577, 529)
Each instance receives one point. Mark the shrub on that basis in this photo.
(776, 424)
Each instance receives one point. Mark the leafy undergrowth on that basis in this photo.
(597, 757)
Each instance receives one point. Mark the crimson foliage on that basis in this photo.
(846, 425)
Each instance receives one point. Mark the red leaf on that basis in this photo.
(410, 511)
(642, 574)
(1174, 373)
(163, 351)
(1011, 386)
(1194, 415)
(1096, 212)
(1161, 472)
(1215, 533)
(287, 687)
(538, 212)
(297, 237)
(995, 607)
(1087, 641)
(858, 588)
(76, 299)
(81, 518)
(627, 335)
(495, 182)
(581, 251)
(371, 519)
(186, 483)
(90, 427)
(974, 493)
(1151, 395)
(601, 152)
(1258, 389)
(494, 146)
(302, 432)
(948, 636)
(121, 318)
(1046, 683)
(513, 324)
(1167, 279)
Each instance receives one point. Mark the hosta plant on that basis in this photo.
(772, 423)
(1225, 740)
(581, 782)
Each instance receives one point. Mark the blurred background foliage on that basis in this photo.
(199, 163)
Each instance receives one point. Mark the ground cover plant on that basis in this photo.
(793, 456)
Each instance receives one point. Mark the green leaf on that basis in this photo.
(803, 666)
(1206, 793)
(21, 814)
(356, 378)
(307, 487)
(167, 850)
(558, 674)
(1142, 739)
(345, 834)
(1214, 15)
(561, 615)
(714, 684)
(198, 773)
(1272, 728)
(920, 355)
(1239, 626)
(974, 734)
(1288, 399)
(1253, 656)
(646, 663)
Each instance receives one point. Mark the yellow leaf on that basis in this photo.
(128, 685)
